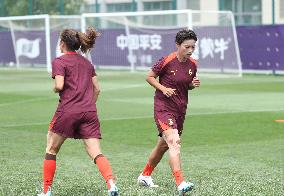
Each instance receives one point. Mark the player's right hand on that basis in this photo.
(168, 92)
(196, 82)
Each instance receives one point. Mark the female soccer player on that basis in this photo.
(177, 75)
(76, 114)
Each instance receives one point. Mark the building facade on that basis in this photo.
(246, 12)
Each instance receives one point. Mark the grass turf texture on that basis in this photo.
(231, 144)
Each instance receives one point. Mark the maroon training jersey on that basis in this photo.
(78, 91)
(176, 75)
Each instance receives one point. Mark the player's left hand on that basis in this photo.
(196, 82)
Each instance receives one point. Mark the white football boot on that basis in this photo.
(185, 187)
(48, 193)
(146, 181)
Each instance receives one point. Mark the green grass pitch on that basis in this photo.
(230, 146)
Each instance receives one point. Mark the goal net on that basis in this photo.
(32, 41)
(135, 40)
(24, 41)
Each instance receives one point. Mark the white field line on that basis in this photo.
(148, 116)
(26, 101)
(101, 73)
(125, 87)
(49, 98)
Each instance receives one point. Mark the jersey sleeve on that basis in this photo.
(93, 71)
(57, 68)
(194, 73)
(158, 67)
(194, 62)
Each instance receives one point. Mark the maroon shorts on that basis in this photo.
(169, 120)
(76, 125)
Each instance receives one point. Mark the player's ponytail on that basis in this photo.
(88, 39)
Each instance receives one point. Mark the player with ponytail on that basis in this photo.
(76, 115)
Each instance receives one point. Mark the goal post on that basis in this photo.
(25, 41)
(217, 47)
(135, 40)
(32, 41)
(56, 24)
(129, 40)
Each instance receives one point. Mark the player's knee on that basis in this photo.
(170, 141)
(174, 144)
(174, 150)
(178, 141)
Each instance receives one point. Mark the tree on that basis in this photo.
(52, 7)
